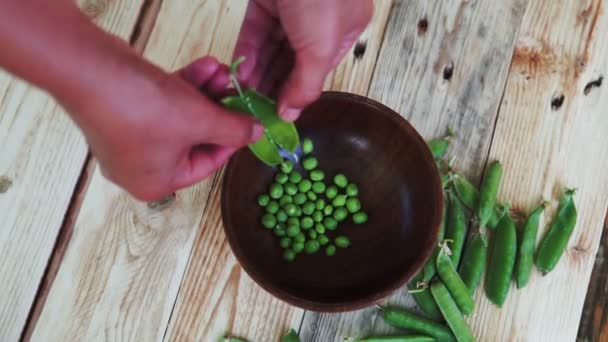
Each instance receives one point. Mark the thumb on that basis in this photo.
(226, 128)
(303, 86)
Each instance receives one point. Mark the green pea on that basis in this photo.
(353, 205)
(310, 163)
(323, 239)
(317, 216)
(320, 228)
(318, 187)
(525, 252)
(339, 201)
(298, 211)
(291, 189)
(330, 250)
(352, 190)
(298, 247)
(308, 208)
(295, 177)
(276, 191)
(320, 204)
(285, 242)
(450, 312)
(286, 199)
(279, 230)
(555, 241)
(311, 196)
(293, 221)
(331, 192)
(360, 217)
(292, 231)
(340, 180)
(307, 146)
(340, 214)
(281, 178)
(305, 185)
(312, 246)
(300, 237)
(290, 209)
(330, 223)
(312, 234)
(272, 207)
(289, 255)
(263, 200)
(342, 241)
(287, 166)
(328, 210)
(317, 175)
(299, 199)
(307, 222)
(269, 221)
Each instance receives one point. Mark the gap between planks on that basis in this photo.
(138, 40)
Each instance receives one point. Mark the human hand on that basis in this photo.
(158, 135)
(291, 46)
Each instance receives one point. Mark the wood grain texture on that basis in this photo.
(545, 147)
(594, 320)
(216, 295)
(41, 157)
(441, 64)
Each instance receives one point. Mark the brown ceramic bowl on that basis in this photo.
(399, 188)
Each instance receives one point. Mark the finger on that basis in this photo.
(201, 163)
(223, 127)
(303, 86)
(255, 31)
(199, 72)
(218, 83)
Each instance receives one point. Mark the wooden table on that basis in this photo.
(519, 80)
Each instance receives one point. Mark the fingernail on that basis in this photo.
(290, 114)
(258, 131)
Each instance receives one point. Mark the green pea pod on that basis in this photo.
(429, 267)
(439, 147)
(469, 195)
(231, 339)
(455, 285)
(264, 149)
(412, 322)
(502, 261)
(525, 252)
(410, 338)
(283, 133)
(292, 336)
(456, 228)
(424, 299)
(452, 315)
(473, 262)
(499, 211)
(556, 239)
(488, 191)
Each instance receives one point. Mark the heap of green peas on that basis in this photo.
(303, 211)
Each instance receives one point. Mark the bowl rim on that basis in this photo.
(374, 297)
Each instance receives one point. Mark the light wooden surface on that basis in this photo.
(122, 270)
(41, 157)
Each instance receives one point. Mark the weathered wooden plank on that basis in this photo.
(216, 295)
(442, 63)
(594, 320)
(550, 134)
(41, 156)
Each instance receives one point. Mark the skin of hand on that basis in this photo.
(152, 132)
(290, 46)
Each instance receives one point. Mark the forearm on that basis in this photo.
(53, 45)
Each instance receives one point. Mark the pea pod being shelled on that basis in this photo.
(555, 241)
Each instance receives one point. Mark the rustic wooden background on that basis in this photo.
(519, 80)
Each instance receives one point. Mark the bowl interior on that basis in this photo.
(399, 188)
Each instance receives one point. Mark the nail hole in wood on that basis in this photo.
(423, 26)
(593, 84)
(359, 50)
(557, 102)
(162, 203)
(448, 71)
(5, 184)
